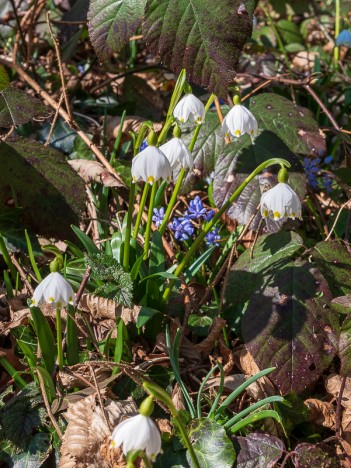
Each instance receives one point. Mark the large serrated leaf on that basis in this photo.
(211, 444)
(295, 125)
(203, 36)
(112, 23)
(259, 450)
(18, 107)
(51, 194)
(238, 159)
(281, 302)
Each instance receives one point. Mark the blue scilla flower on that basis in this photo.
(212, 237)
(182, 228)
(311, 168)
(143, 145)
(344, 38)
(158, 216)
(196, 209)
(209, 215)
(327, 183)
(328, 159)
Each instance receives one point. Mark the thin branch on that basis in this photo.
(47, 406)
(53, 123)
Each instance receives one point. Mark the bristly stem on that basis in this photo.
(59, 338)
(216, 217)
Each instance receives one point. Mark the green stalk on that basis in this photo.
(128, 230)
(163, 396)
(141, 210)
(217, 216)
(172, 201)
(59, 339)
(337, 31)
(149, 220)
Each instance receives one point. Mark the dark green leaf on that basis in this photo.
(335, 263)
(35, 454)
(211, 444)
(51, 194)
(145, 314)
(294, 125)
(17, 107)
(345, 346)
(282, 303)
(258, 450)
(112, 23)
(202, 36)
(315, 456)
(11, 228)
(45, 337)
(238, 159)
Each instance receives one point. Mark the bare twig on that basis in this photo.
(47, 406)
(337, 218)
(53, 123)
(99, 398)
(22, 274)
(338, 408)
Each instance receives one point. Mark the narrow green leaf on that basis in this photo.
(254, 418)
(72, 347)
(48, 383)
(157, 257)
(45, 337)
(87, 242)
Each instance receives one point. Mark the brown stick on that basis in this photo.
(47, 406)
(64, 115)
(338, 408)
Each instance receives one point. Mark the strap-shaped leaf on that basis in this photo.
(203, 36)
(112, 23)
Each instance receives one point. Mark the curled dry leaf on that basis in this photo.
(177, 398)
(93, 171)
(207, 344)
(75, 376)
(322, 413)
(132, 123)
(333, 384)
(87, 429)
(263, 387)
(231, 382)
(102, 308)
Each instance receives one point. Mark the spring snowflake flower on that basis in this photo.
(189, 106)
(177, 154)
(280, 202)
(150, 165)
(344, 38)
(158, 216)
(239, 121)
(55, 290)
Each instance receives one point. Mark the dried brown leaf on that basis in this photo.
(263, 387)
(102, 308)
(333, 384)
(75, 375)
(132, 123)
(322, 413)
(208, 343)
(231, 382)
(87, 429)
(93, 171)
(177, 398)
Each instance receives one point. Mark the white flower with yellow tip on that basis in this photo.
(281, 201)
(54, 290)
(150, 165)
(177, 154)
(239, 121)
(138, 433)
(189, 106)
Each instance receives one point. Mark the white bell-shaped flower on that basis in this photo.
(54, 290)
(280, 202)
(189, 106)
(150, 165)
(138, 433)
(177, 154)
(239, 121)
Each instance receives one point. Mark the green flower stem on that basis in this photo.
(337, 31)
(172, 201)
(59, 338)
(217, 216)
(149, 220)
(163, 396)
(128, 230)
(140, 211)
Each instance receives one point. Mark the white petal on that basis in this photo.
(154, 445)
(55, 290)
(150, 165)
(189, 105)
(177, 154)
(239, 121)
(280, 202)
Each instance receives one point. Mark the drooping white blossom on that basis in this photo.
(150, 165)
(239, 121)
(54, 290)
(177, 154)
(280, 202)
(189, 106)
(137, 433)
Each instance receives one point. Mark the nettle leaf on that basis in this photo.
(295, 125)
(51, 194)
(112, 23)
(238, 159)
(20, 415)
(211, 444)
(335, 263)
(279, 305)
(261, 450)
(18, 107)
(202, 36)
(4, 78)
